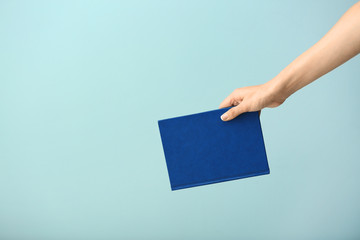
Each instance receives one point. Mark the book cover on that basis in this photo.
(201, 149)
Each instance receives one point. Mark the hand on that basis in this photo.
(340, 44)
(249, 99)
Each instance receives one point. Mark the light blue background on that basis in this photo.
(83, 83)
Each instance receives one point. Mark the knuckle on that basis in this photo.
(245, 108)
(231, 113)
(237, 90)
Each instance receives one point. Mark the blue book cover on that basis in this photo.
(202, 149)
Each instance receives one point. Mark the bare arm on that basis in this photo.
(339, 45)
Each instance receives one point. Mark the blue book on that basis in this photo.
(202, 149)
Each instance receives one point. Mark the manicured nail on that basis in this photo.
(224, 117)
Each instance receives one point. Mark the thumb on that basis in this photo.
(233, 112)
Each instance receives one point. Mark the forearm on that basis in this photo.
(340, 44)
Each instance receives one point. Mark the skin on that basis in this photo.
(339, 45)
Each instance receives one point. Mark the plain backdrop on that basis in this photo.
(83, 83)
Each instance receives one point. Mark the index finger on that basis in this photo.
(226, 102)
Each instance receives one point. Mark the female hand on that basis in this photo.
(249, 99)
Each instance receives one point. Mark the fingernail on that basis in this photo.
(224, 117)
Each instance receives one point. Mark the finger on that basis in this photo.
(226, 102)
(233, 112)
(232, 100)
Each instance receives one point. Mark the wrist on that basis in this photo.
(277, 89)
